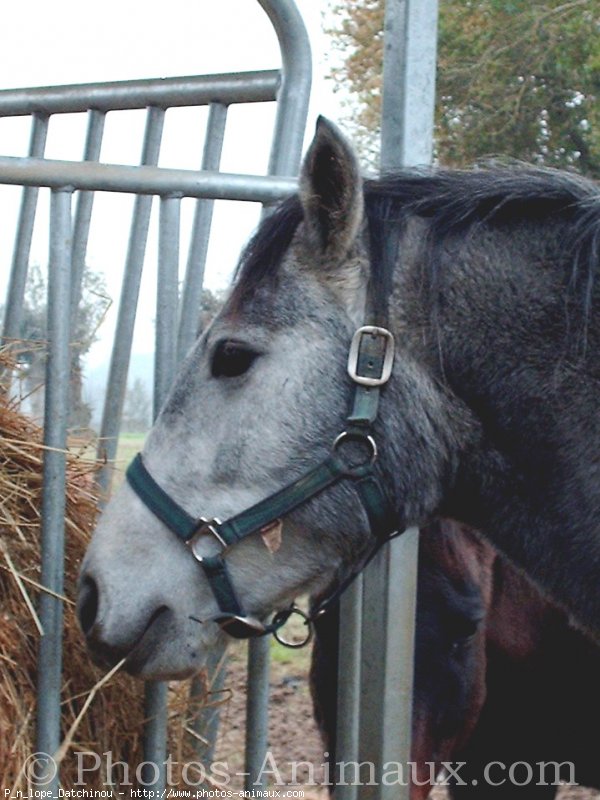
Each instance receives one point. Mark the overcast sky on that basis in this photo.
(69, 41)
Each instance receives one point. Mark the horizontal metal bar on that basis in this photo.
(143, 180)
(239, 87)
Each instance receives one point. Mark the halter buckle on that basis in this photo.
(386, 359)
(209, 526)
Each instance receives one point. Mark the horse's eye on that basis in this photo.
(231, 359)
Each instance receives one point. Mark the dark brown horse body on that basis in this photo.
(502, 681)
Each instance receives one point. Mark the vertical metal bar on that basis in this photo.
(54, 483)
(119, 365)
(83, 210)
(390, 582)
(166, 299)
(408, 98)
(294, 94)
(194, 276)
(348, 700)
(206, 722)
(257, 711)
(286, 150)
(20, 263)
(155, 728)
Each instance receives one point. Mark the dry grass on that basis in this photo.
(113, 718)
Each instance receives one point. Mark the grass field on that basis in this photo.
(129, 445)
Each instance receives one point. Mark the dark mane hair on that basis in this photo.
(453, 202)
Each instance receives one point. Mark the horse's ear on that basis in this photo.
(331, 191)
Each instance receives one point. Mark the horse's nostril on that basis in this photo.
(87, 604)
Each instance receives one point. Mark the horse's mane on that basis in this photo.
(453, 202)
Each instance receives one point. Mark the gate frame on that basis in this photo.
(382, 674)
(290, 87)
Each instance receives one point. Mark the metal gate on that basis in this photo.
(176, 318)
(375, 687)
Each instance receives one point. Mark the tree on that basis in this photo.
(137, 411)
(32, 351)
(515, 78)
(210, 305)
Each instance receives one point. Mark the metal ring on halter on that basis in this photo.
(286, 614)
(357, 437)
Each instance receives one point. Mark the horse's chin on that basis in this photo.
(147, 672)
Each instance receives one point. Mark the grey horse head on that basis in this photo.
(258, 401)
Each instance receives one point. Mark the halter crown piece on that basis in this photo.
(370, 362)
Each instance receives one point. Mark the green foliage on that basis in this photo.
(516, 78)
(32, 351)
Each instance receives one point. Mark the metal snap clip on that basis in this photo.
(283, 617)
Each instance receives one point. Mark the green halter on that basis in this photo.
(369, 365)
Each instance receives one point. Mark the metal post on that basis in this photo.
(194, 276)
(206, 721)
(167, 300)
(408, 98)
(294, 94)
(257, 711)
(389, 600)
(20, 264)
(83, 211)
(119, 365)
(54, 482)
(348, 700)
(155, 728)
(290, 123)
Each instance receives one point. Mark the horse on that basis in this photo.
(455, 582)
(501, 677)
(393, 351)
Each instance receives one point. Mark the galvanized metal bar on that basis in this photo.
(54, 481)
(155, 728)
(144, 180)
(348, 699)
(121, 352)
(194, 277)
(206, 722)
(20, 263)
(257, 712)
(408, 96)
(155, 739)
(165, 352)
(83, 211)
(294, 95)
(286, 150)
(389, 602)
(390, 582)
(240, 87)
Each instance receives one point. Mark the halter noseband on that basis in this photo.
(370, 362)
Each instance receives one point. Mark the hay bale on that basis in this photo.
(114, 720)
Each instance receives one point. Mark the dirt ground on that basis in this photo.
(293, 735)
